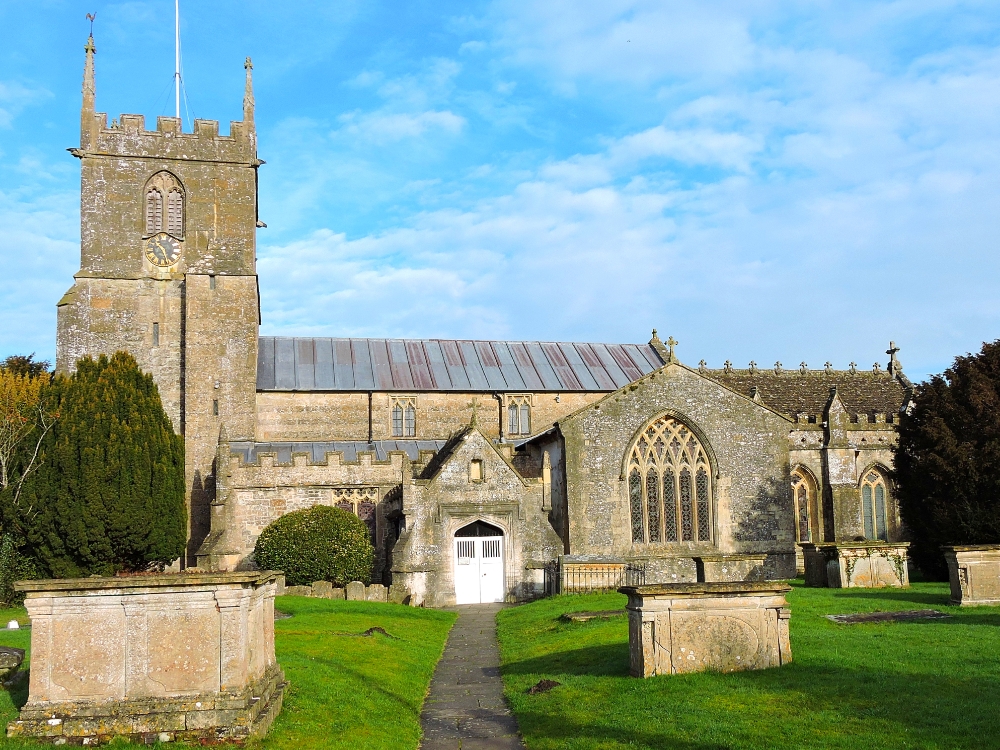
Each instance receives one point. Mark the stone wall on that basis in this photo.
(304, 416)
(749, 452)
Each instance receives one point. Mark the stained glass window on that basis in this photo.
(874, 503)
(670, 477)
(704, 516)
(653, 504)
(669, 507)
(635, 503)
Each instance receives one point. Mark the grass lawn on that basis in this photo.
(362, 693)
(924, 684)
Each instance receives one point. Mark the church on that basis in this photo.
(485, 470)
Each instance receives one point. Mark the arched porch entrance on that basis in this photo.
(479, 566)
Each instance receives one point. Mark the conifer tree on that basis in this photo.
(109, 494)
(948, 459)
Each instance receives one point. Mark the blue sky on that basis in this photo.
(762, 180)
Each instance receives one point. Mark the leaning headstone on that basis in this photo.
(322, 589)
(10, 660)
(355, 591)
(338, 594)
(376, 593)
(298, 591)
(398, 593)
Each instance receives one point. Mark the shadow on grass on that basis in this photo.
(609, 660)
(17, 689)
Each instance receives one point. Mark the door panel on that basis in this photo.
(466, 572)
(478, 570)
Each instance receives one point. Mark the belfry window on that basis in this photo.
(164, 205)
(519, 415)
(669, 485)
(404, 417)
(874, 499)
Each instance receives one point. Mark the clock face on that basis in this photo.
(162, 249)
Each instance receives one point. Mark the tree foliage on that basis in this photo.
(27, 413)
(19, 364)
(318, 544)
(948, 459)
(109, 492)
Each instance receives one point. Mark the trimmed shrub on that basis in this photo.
(14, 566)
(948, 460)
(318, 544)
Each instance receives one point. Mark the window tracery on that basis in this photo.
(874, 497)
(804, 496)
(164, 205)
(519, 415)
(669, 485)
(404, 417)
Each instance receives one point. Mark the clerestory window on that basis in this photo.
(404, 417)
(669, 485)
(519, 415)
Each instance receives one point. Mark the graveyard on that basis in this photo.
(925, 683)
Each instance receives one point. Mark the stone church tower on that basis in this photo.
(168, 271)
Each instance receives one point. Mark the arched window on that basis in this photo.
(669, 485)
(404, 417)
(164, 205)
(519, 415)
(804, 497)
(874, 499)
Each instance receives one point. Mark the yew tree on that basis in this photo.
(109, 493)
(948, 459)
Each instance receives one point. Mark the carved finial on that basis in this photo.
(755, 395)
(828, 366)
(655, 337)
(853, 367)
(894, 367)
(753, 366)
(702, 366)
(777, 368)
(877, 368)
(248, 101)
(803, 368)
(728, 366)
(223, 435)
(672, 342)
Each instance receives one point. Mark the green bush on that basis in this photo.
(14, 566)
(109, 492)
(318, 544)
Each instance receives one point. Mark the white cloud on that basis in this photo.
(382, 126)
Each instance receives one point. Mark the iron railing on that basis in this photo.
(580, 578)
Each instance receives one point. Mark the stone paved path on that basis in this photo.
(465, 709)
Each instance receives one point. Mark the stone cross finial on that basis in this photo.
(702, 365)
(876, 368)
(894, 367)
(728, 366)
(828, 366)
(672, 342)
(777, 368)
(753, 366)
(803, 368)
(853, 367)
(248, 64)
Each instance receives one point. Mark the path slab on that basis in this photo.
(465, 708)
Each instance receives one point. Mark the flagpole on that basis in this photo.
(177, 57)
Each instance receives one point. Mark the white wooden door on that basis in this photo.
(478, 570)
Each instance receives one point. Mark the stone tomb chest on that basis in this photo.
(856, 564)
(691, 627)
(159, 657)
(975, 574)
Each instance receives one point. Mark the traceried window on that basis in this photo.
(404, 417)
(669, 485)
(804, 494)
(164, 205)
(519, 415)
(874, 499)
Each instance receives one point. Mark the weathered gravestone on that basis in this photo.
(693, 627)
(398, 594)
(338, 593)
(322, 589)
(186, 656)
(856, 564)
(974, 571)
(355, 591)
(376, 593)
(10, 661)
